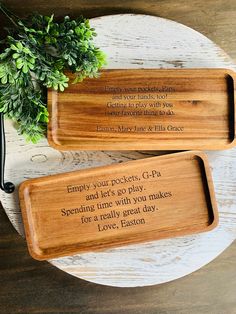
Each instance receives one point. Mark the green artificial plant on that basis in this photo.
(34, 56)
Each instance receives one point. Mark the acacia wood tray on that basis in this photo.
(137, 201)
(173, 109)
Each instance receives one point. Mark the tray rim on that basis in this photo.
(39, 254)
(124, 144)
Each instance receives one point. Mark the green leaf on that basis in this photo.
(19, 45)
(31, 66)
(19, 63)
(37, 55)
(15, 55)
(26, 50)
(13, 47)
(79, 30)
(49, 23)
(4, 79)
(25, 68)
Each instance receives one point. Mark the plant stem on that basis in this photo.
(8, 14)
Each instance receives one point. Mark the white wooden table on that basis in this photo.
(135, 41)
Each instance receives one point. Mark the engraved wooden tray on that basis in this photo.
(136, 201)
(152, 109)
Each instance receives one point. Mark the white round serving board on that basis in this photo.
(135, 41)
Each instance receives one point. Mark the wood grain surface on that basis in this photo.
(145, 109)
(159, 43)
(133, 202)
(47, 289)
(213, 18)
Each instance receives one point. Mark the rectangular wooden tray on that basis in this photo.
(173, 109)
(137, 201)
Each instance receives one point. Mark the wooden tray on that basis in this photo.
(145, 109)
(137, 201)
